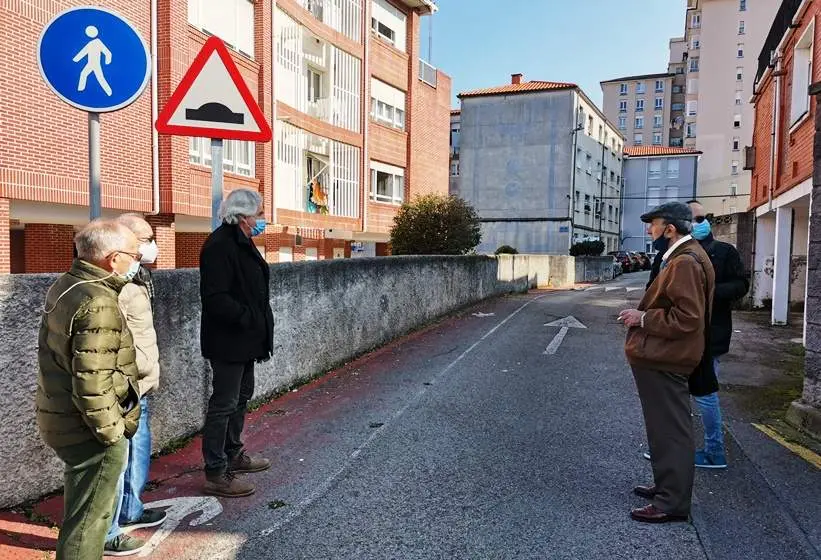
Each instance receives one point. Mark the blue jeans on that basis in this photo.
(711, 417)
(128, 506)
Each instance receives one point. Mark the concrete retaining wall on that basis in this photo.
(325, 312)
(595, 269)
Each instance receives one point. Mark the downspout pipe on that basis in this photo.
(774, 130)
(155, 135)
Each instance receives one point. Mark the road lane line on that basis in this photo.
(326, 485)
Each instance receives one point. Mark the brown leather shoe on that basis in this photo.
(244, 463)
(646, 492)
(227, 485)
(651, 514)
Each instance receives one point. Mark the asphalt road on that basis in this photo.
(469, 441)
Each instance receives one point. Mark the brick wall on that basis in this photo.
(187, 248)
(48, 247)
(165, 235)
(18, 251)
(43, 154)
(5, 237)
(794, 148)
(429, 152)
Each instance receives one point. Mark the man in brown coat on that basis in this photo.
(665, 344)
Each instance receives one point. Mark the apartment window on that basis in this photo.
(454, 168)
(678, 89)
(739, 73)
(622, 123)
(639, 122)
(653, 197)
(387, 183)
(742, 5)
(695, 21)
(691, 130)
(657, 121)
(230, 20)
(640, 87)
(659, 86)
(601, 133)
(654, 169)
(739, 51)
(741, 27)
(638, 139)
(314, 85)
(734, 167)
(733, 189)
(738, 98)
(623, 106)
(659, 105)
(587, 204)
(695, 43)
(238, 156)
(387, 104)
(737, 121)
(388, 23)
(657, 138)
(677, 107)
(736, 143)
(694, 64)
(672, 168)
(802, 75)
(589, 164)
(639, 104)
(622, 89)
(692, 108)
(692, 86)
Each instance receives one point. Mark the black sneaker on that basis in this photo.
(123, 545)
(149, 518)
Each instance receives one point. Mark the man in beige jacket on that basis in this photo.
(136, 304)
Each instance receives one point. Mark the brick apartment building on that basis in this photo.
(354, 111)
(782, 170)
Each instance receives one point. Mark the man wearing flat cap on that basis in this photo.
(665, 345)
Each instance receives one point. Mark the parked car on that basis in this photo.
(637, 262)
(646, 261)
(617, 270)
(624, 260)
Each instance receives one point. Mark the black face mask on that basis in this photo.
(661, 244)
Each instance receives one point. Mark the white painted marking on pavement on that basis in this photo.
(593, 289)
(323, 488)
(610, 289)
(566, 323)
(480, 314)
(634, 289)
(179, 509)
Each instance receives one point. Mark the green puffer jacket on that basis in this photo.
(88, 372)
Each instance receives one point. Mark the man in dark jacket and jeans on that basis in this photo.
(731, 285)
(237, 331)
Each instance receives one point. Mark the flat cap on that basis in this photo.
(671, 211)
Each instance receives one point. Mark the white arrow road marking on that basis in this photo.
(179, 509)
(567, 323)
(634, 289)
(610, 289)
(480, 314)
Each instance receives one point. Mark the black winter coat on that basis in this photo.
(731, 285)
(237, 321)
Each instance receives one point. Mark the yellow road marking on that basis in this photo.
(806, 454)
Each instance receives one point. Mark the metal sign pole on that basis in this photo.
(216, 181)
(94, 195)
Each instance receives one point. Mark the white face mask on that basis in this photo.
(149, 252)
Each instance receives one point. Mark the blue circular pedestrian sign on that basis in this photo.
(93, 59)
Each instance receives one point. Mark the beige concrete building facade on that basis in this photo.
(724, 38)
(677, 67)
(639, 106)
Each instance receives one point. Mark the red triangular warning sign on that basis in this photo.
(213, 101)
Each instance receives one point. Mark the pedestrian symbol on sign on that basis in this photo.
(93, 52)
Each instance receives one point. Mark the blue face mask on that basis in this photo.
(259, 227)
(701, 230)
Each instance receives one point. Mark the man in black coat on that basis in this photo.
(731, 285)
(237, 330)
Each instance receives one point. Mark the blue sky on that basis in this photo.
(479, 43)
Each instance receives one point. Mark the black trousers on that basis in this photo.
(225, 419)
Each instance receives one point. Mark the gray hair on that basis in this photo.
(238, 204)
(100, 238)
(135, 222)
(683, 227)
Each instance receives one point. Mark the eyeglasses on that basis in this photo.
(699, 219)
(135, 256)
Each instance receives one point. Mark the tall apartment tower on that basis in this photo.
(677, 67)
(640, 107)
(724, 38)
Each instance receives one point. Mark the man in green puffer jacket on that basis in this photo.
(87, 395)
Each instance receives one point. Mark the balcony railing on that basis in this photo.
(320, 109)
(427, 73)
